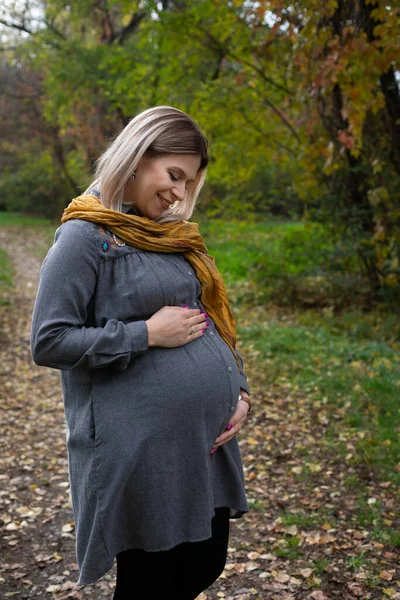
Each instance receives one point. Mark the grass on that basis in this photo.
(256, 505)
(289, 548)
(9, 219)
(21, 221)
(44, 227)
(238, 245)
(347, 364)
(320, 565)
(5, 269)
(355, 379)
(5, 277)
(302, 520)
(359, 561)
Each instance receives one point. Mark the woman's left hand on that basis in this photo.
(237, 421)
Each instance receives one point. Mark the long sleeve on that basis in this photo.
(60, 335)
(243, 379)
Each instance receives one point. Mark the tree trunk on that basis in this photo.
(389, 85)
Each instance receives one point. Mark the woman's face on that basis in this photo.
(161, 181)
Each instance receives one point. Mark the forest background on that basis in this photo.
(301, 105)
(300, 101)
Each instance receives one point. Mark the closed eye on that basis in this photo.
(175, 178)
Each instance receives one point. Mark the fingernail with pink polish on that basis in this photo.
(207, 324)
(229, 426)
(186, 306)
(213, 451)
(203, 331)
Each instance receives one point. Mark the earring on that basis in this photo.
(133, 175)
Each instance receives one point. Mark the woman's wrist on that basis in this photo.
(150, 334)
(245, 398)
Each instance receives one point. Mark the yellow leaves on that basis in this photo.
(286, 439)
(57, 556)
(382, 362)
(68, 527)
(391, 279)
(320, 539)
(379, 195)
(67, 585)
(314, 467)
(252, 441)
(387, 522)
(357, 364)
(297, 470)
(29, 512)
(52, 589)
(391, 592)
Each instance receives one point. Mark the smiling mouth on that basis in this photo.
(165, 202)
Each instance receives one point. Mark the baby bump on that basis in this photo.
(174, 392)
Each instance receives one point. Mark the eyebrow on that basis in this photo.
(182, 172)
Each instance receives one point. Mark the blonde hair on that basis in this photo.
(156, 131)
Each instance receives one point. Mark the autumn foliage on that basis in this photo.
(300, 101)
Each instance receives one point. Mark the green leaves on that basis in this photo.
(299, 100)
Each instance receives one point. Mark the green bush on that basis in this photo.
(303, 266)
(38, 187)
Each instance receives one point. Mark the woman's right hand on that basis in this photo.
(174, 326)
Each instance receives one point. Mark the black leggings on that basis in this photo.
(182, 572)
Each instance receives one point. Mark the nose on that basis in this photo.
(179, 190)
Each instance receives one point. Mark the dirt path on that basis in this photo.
(319, 555)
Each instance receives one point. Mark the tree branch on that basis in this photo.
(266, 135)
(7, 48)
(54, 29)
(261, 73)
(21, 27)
(132, 26)
(278, 113)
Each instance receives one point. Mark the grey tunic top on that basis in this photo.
(141, 421)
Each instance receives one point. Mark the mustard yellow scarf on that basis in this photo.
(177, 236)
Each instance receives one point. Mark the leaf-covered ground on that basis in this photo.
(311, 532)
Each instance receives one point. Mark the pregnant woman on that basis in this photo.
(134, 313)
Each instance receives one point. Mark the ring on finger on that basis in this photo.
(191, 330)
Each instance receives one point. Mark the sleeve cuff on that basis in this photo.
(138, 337)
(243, 383)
